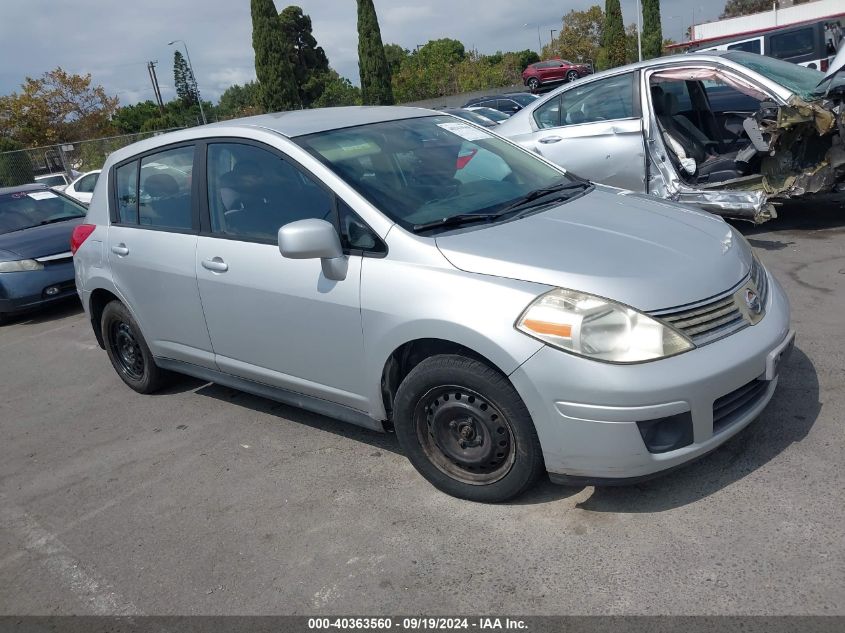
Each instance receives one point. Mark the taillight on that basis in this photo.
(79, 235)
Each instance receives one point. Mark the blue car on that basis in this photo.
(36, 265)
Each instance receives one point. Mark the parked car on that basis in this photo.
(57, 181)
(83, 187)
(507, 103)
(490, 113)
(503, 322)
(469, 115)
(36, 266)
(553, 71)
(728, 132)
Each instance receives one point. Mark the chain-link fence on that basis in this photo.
(23, 166)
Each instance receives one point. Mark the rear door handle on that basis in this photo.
(120, 249)
(550, 139)
(215, 264)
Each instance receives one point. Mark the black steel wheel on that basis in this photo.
(128, 351)
(465, 436)
(464, 428)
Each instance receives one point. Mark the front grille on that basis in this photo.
(716, 318)
(737, 403)
(704, 323)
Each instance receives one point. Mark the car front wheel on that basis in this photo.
(128, 351)
(465, 429)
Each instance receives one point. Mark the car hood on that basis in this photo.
(40, 241)
(635, 249)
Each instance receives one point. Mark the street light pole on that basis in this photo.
(639, 32)
(193, 77)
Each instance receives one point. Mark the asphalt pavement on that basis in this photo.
(205, 500)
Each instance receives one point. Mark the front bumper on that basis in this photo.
(586, 412)
(25, 290)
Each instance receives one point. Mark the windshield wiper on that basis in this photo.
(54, 220)
(455, 220)
(535, 195)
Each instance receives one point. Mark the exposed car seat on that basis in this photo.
(710, 166)
(168, 206)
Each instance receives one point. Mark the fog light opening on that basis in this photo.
(52, 291)
(667, 434)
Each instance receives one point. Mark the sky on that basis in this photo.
(114, 40)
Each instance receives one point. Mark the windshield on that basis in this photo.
(430, 168)
(491, 114)
(51, 181)
(799, 79)
(475, 117)
(522, 98)
(25, 209)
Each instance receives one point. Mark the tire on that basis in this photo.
(128, 351)
(466, 430)
(572, 75)
(533, 84)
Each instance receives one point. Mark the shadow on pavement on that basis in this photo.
(798, 215)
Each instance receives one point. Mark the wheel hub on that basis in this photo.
(127, 350)
(465, 435)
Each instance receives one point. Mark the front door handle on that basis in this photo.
(215, 264)
(120, 250)
(550, 139)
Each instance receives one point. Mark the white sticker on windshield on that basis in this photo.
(464, 131)
(42, 195)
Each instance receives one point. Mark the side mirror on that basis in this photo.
(314, 239)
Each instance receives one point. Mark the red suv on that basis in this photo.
(553, 71)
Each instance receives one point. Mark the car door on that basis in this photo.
(275, 320)
(595, 130)
(152, 242)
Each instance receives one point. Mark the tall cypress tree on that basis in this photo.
(613, 34)
(372, 62)
(273, 68)
(183, 80)
(652, 31)
(310, 64)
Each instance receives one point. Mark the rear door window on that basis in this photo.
(165, 189)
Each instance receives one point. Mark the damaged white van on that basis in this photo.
(730, 132)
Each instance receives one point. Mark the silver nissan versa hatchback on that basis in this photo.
(404, 270)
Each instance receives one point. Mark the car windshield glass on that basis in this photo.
(25, 209)
(522, 99)
(799, 79)
(417, 171)
(492, 114)
(475, 117)
(51, 181)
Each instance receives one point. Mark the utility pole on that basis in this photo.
(639, 32)
(151, 69)
(552, 35)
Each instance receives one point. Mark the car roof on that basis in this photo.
(26, 187)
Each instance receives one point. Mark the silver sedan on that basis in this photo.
(730, 132)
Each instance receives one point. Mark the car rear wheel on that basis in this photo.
(533, 83)
(465, 429)
(128, 351)
(572, 75)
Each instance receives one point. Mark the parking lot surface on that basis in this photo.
(205, 500)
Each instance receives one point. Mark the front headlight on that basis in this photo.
(20, 265)
(599, 328)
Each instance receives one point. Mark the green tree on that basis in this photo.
(526, 57)
(57, 107)
(372, 63)
(613, 36)
(309, 61)
(338, 91)
(238, 101)
(580, 37)
(15, 166)
(183, 80)
(632, 51)
(396, 56)
(130, 119)
(736, 8)
(652, 32)
(273, 68)
(443, 50)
